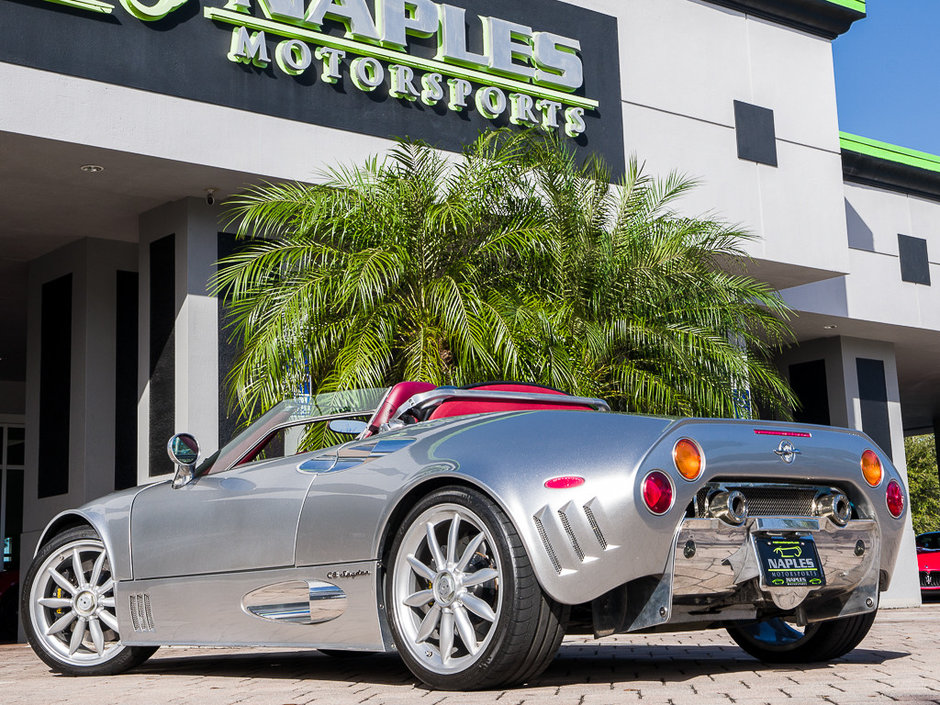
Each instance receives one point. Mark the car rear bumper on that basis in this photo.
(714, 574)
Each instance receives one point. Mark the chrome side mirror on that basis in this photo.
(348, 427)
(184, 452)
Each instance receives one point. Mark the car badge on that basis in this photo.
(786, 452)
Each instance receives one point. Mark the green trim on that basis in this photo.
(151, 13)
(92, 5)
(291, 32)
(858, 5)
(889, 152)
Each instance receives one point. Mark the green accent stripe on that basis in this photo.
(851, 4)
(889, 152)
(291, 32)
(93, 5)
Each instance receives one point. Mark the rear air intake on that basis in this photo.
(547, 544)
(571, 537)
(598, 534)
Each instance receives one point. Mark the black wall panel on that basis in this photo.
(125, 381)
(808, 380)
(873, 395)
(228, 350)
(55, 386)
(915, 267)
(756, 135)
(162, 352)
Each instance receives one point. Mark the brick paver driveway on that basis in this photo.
(898, 662)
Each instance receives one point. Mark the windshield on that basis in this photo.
(306, 406)
(929, 541)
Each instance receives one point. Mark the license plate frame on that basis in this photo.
(788, 562)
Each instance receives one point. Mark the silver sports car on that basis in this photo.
(469, 530)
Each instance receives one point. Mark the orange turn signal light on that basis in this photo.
(688, 458)
(871, 468)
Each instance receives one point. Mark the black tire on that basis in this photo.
(775, 641)
(53, 648)
(528, 627)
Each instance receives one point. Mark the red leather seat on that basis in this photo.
(395, 397)
(462, 407)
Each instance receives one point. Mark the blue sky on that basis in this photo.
(887, 82)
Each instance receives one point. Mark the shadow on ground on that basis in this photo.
(574, 664)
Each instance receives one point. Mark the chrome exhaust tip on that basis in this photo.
(730, 507)
(834, 505)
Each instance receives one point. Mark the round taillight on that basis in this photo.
(894, 496)
(871, 468)
(657, 492)
(564, 482)
(688, 459)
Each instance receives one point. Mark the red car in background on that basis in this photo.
(928, 564)
(9, 589)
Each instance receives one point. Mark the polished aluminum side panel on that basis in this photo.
(242, 519)
(110, 517)
(508, 456)
(208, 610)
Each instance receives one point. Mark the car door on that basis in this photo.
(241, 519)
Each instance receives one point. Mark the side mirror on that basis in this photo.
(184, 452)
(348, 427)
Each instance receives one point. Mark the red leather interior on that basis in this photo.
(458, 407)
(396, 396)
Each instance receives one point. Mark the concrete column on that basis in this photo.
(85, 428)
(178, 373)
(853, 367)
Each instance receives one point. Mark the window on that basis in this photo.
(12, 459)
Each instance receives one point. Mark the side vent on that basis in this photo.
(598, 534)
(571, 537)
(141, 613)
(547, 544)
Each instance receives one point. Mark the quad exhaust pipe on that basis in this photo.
(729, 506)
(835, 506)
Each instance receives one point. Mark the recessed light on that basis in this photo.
(830, 326)
(92, 168)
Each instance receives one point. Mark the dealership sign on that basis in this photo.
(440, 72)
(525, 73)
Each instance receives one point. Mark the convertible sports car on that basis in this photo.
(469, 530)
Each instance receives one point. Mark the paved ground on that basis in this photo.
(898, 662)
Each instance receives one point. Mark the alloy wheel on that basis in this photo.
(72, 604)
(447, 581)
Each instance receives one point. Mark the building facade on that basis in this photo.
(125, 123)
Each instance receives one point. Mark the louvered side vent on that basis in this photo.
(141, 613)
(598, 534)
(547, 544)
(571, 537)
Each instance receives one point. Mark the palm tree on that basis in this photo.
(380, 273)
(509, 261)
(649, 312)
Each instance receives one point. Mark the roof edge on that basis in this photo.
(873, 163)
(824, 18)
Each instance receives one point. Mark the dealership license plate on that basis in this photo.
(788, 562)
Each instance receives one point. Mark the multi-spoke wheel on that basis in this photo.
(465, 608)
(69, 611)
(777, 641)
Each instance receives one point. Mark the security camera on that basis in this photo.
(210, 196)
